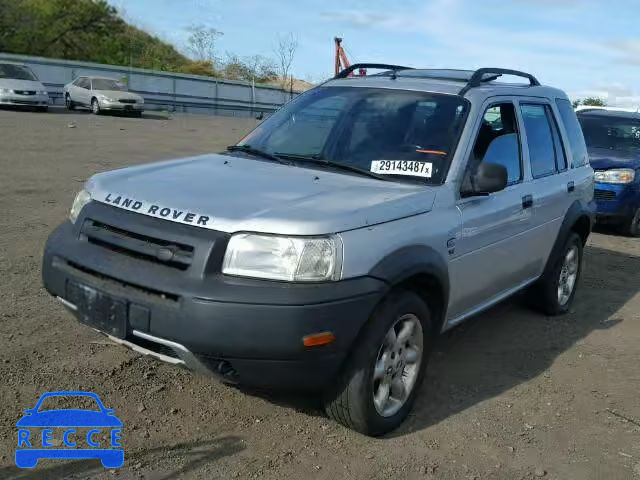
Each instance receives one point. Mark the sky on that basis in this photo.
(585, 47)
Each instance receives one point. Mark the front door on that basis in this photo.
(495, 253)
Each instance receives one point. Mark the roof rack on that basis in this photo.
(478, 77)
(357, 66)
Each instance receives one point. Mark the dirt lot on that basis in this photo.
(509, 395)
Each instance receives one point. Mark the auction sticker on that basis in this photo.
(402, 167)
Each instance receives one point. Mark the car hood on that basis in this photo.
(14, 84)
(230, 194)
(69, 418)
(604, 159)
(118, 94)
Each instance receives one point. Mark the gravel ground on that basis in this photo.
(509, 395)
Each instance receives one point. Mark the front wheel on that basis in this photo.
(95, 106)
(553, 294)
(385, 369)
(69, 103)
(631, 225)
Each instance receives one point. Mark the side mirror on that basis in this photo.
(489, 178)
(260, 116)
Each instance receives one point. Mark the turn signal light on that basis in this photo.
(318, 339)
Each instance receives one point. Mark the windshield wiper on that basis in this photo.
(248, 149)
(318, 159)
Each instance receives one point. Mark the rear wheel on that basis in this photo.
(383, 373)
(95, 106)
(631, 225)
(553, 294)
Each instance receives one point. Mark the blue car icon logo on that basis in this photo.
(35, 433)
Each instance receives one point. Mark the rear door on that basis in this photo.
(554, 187)
(496, 253)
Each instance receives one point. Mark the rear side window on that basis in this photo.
(574, 132)
(542, 153)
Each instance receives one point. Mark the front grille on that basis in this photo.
(25, 92)
(604, 195)
(138, 246)
(127, 100)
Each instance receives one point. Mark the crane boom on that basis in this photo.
(341, 60)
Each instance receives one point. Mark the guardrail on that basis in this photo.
(163, 90)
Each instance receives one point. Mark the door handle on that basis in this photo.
(571, 186)
(527, 201)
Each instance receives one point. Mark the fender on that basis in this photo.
(578, 209)
(412, 260)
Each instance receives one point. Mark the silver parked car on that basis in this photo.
(101, 94)
(19, 86)
(330, 247)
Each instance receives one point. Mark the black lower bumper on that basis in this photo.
(248, 331)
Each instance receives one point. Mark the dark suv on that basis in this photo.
(613, 140)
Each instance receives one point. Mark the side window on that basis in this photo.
(83, 83)
(498, 142)
(574, 132)
(542, 155)
(561, 156)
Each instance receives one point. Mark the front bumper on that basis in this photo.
(244, 330)
(14, 99)
(121, 107)
(616, 201)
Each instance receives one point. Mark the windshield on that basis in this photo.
(16, 72)
(614, 133)
(107, 84)
(400, 134)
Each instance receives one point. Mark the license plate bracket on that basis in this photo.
(98, 309)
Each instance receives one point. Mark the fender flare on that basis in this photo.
(404, 263)
(578, 209)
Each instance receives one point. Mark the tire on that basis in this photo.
(69, 103)
(631, 225)
(351, 402)
(95, 106)
(42, 109)
(545, 294)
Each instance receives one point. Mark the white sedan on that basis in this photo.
(19, 86)
(100, 94)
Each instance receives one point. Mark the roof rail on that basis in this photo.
(478, 77)
(357, 66)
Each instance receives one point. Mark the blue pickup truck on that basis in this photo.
(613, 140)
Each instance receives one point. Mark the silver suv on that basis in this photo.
(332, 245)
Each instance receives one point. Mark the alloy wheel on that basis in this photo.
(568, 275)
(397, 365)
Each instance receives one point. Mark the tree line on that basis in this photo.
(93, 31)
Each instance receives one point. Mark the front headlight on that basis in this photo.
(6, 90)
(615, 175)
(294, 259)
(82, 198)
(42, 92)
